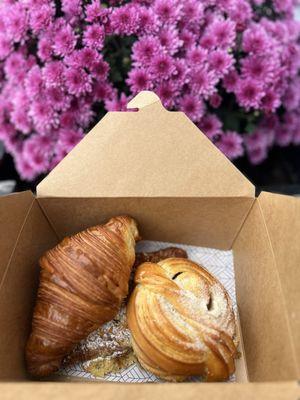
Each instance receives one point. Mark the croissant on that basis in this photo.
(83, 281)
(182, 322)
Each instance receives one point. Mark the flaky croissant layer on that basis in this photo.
(83, 281)
(182, 321)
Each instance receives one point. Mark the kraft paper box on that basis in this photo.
(156, 166)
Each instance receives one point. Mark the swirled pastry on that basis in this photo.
(83, 281)
(182, 322)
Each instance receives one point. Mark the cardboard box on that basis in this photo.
(158, 167)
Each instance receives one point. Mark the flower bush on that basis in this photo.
(231, 65)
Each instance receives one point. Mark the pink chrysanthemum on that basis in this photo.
(215, 100)
(43, 115)
(259, 68)
(124, 20)
(94, 36)
(192, 106)
(167, 10)
(256, 40)
(100, 69)
(93, 11)
(147, 21)
(231, 144)
(193, 11)
(197, 55)
(257, 155)
(271, 101)
(138, 80)
(211, 126)
(169, 40)
(34, 82)
(41, 17)
(68, 138)
(203, 82)
(117, 103)
(224, 32)
(5, 46)
(166, 91)
(249, 93)
(21, 120)
(64, 41)
(78, 81)
(162, 66)
(145, 49)
(57, 98)
(88, 58)
(16, 21)
(53, 73)
(45, 50)
(220, 62)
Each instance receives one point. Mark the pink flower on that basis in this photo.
(224, 32)
(203, 82)
(162, 66)
(193, 11)
(231, 144)
(78, 81)
(5, 46)
(16, 22)
(259, 68)
(72, 9)
(100, 69)
(255, 40)
(220, 62)
(169, 40)
(41, 17)
(124, 20)
(94, 36)
(37, 151)
(138, 80)
(147, 21)
(271, 101)
(43, 115)
(210, 125)
(57, 98)
(45, 50)
(215, 100)
(249, 93)
(167, 10)
(89, 58)
(192, 106)
(53, 73)
(34, 82)
(102, 91)
(20, 118)
(64, 41)
(68, 138)
(25, 170)
(93, 11)
(144, 49)
(283, 135)
(255, 140)
(231, 80)
(117, 104)
(167, 93)
(197, 55)
(257, 155)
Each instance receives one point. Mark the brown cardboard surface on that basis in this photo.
(282, 218)
(17, 294)
(107, 391)
(13, 210)
(151, 152)
(206, 222)
(267, 340)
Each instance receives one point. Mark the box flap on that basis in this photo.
(150, 152)
(13, 210)
(187, 391)
(282, 218)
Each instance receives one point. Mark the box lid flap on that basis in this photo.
(13, 210)
(150, 152)
(282, 218)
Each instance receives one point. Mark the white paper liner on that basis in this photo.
(217, 262)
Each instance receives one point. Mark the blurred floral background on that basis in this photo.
(231, 65)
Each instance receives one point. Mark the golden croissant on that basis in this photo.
(182, 322)
(83, 281)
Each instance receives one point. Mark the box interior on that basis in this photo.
(224, 223)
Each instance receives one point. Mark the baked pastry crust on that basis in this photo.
(83, 281)
(182, 322)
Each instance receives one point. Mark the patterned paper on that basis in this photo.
(218, 262)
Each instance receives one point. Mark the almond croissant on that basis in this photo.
(83, 281)
(182, 322)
